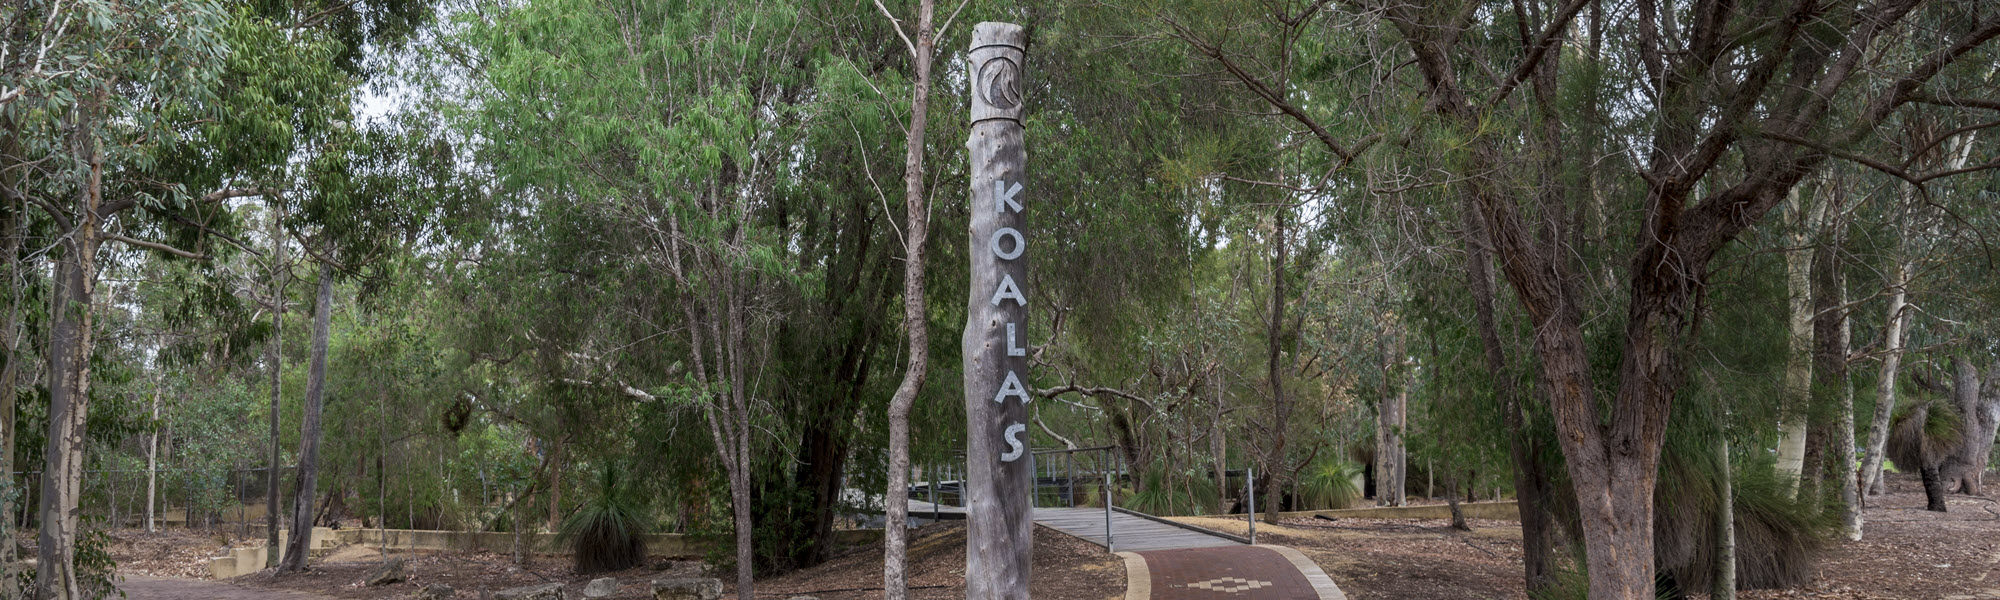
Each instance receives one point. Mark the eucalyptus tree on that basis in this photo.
(103, 97)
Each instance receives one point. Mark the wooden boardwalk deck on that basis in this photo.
(1128, 532)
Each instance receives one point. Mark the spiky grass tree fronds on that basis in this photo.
(608, 532)
(1328, 483)
(1778, 538)
(1159, 494)
(1921, 437)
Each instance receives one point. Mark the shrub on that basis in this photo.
(607, 533)
(1328, 483)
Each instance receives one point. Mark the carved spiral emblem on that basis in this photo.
(1000, 83)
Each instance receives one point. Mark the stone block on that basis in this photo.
(393, 571)
(603, 587)
(546, 591)
(692, 588)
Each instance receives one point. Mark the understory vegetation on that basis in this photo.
(1679, 279)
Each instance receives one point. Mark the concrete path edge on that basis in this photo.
(1138, 578)
(1320, 581)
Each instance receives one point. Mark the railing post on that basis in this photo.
(1107, 515)
(1250, 479)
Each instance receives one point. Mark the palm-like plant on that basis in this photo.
(608, 532)
(1328, 483)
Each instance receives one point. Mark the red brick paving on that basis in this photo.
(1226, 573)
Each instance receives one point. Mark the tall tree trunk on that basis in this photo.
(1792, 426)
(1885, 386)
(306, 482)
(1281, 411)
(153, 459)
(1724, 582)
(277, 362)
(1831, 387)
(1531, 482)
(916, 224)
(555, 480)
(1933, 488)
(70, 343)
(10, 372)
(1979, 413)
(1218, 448)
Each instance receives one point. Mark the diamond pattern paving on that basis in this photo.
(1227, 573)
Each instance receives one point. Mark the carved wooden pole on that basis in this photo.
(999, 464)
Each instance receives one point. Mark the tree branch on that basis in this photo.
(1534, 59)
(897, 24)
(156, 246)
(1276, 100)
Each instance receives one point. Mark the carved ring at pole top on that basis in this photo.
(996, 60)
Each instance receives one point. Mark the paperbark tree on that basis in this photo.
(1885, 386)
(306, 481)
(1979, 418)
(1531, 482)
(1612, 448)
(1831, 388)
(1792, 430)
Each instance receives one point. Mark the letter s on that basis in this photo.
(1013, 442)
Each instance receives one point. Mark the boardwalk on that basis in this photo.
(1128, 532)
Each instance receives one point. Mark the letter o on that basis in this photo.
(1020, 244)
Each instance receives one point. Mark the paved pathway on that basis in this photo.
(158, 588)
(1226, 573)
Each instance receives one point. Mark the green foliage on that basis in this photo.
(96, 570)
(1179, 494)
(1328, 483)
(607, 532)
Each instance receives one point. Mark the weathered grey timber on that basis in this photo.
(1000, 472)
(1131, 532)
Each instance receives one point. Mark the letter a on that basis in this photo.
(1003, 197)
(1011, 387)
(1008, 290)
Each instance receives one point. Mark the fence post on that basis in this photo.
(1250, 479)
(1108, 547)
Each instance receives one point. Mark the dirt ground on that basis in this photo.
(1908, 554)
(342, 574)
(1064, 568)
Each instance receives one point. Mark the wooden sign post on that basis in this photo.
(1000, 479)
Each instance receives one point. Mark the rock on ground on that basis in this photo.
(546, 591)
(436, 591)
(687, 589)
(394, 571)
(602, 587)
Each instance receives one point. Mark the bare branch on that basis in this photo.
(897, 24)
(1534, 58)
(156, 246)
